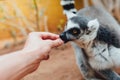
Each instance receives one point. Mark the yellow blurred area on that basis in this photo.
(18, 14)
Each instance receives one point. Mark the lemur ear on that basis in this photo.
(93, 25)
(70, 14)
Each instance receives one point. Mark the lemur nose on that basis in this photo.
(64, 37)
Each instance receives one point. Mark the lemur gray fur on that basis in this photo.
(97, 41)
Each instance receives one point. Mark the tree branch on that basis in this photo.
(37, 15)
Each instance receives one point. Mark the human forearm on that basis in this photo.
(16, 65)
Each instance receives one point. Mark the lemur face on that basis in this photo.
(80, 29)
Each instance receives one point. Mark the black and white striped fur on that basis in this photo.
(87, 69)
(68, 6)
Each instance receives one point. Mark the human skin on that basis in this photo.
(16, 65)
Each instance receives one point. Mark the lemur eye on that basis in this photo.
(74, 31)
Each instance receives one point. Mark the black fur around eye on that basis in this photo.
(74, 31)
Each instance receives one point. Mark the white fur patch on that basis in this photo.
(93, 24)
(71, 10)
(85, 38)
(99, 57)
(71, 24)
(115, 55)
(66, 2)
(70, 14)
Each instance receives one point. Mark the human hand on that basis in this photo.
(41, 43)
(20, 63)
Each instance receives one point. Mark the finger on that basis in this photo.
(55, 43)
(47, 35)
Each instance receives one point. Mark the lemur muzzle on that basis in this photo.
(64, 37)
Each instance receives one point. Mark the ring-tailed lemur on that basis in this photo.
(96, 41)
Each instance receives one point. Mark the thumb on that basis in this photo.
(56, 43)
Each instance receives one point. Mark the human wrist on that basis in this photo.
(32, 55)
(41, 53)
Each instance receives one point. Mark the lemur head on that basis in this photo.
(80, 29)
